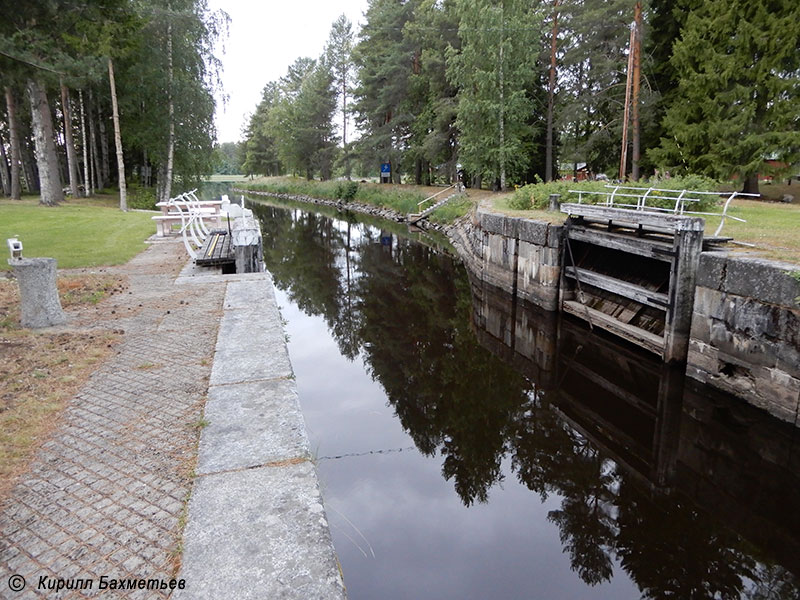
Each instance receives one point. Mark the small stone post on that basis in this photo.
(555, 203)
(39, 303)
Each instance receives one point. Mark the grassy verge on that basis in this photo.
(401, 198)
(774, 228)
(81, 233)
(40, 372)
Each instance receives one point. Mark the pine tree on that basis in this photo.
(383, 59)
(738, 96)
(338, 51)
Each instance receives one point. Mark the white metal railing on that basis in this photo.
(192, 225)
(429, 198)
(678, 199)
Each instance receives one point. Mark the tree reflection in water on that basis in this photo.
(408, 310)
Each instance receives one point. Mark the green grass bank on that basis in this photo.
(79, 233)
(401, 198)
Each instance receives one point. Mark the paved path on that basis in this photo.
(105, 494)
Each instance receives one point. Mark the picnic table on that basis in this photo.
(210, 209)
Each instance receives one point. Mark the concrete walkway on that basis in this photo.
(105, 496)
(257, 526)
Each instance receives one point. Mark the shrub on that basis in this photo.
(536, 195)
(142, 198)
(346, 190)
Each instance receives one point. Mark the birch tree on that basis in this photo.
(493, 72)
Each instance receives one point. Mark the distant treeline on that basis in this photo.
(429, 84)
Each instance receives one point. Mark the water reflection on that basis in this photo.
(643, 475)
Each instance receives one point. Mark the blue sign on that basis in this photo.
(386, 167)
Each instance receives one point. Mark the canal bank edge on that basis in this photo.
(256, 524)
(745, 332)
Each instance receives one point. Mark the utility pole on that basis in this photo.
(548, 169)
(637, 71)
(623, 160)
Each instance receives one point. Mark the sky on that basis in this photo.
(265, 38)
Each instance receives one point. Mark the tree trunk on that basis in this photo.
(123, 196)
(751, 184)
(551, 90)
(105, 173)
(43, 135)
(87, 180)
(344, 127)
(29, 165)
(171, 139)
(16, 154)
(72, 159)
(5, 176)
(94, 153)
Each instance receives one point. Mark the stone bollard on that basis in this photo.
(555, 203)
(38, 293)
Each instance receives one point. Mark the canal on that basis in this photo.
(470, 447)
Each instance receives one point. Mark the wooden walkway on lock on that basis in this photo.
(217, 250)
(632, 273)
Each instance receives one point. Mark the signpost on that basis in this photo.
(386, 172)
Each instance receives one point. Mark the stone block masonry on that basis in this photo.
(519, 256)
(746, 331)
(99, 512)
(103, 496)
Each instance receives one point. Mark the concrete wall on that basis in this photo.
(746, 331)
(517, 255)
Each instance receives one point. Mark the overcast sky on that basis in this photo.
(265, 38)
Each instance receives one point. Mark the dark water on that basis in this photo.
(468, 447)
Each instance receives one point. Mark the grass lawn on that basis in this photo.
(774, 228)
(226, 178)
(85, 232)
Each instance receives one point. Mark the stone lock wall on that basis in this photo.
(517, 255)
(746, 331)
(745, 336)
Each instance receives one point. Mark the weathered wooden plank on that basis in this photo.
(635, 335)
(216, 250)
(657, 249)
(688, 245)
(617, 286)
(635, 217)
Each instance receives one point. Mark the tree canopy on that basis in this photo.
(162, 56)
(441, 82)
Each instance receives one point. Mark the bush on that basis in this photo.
(536, 195)
(142, 198)
(346, 190)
